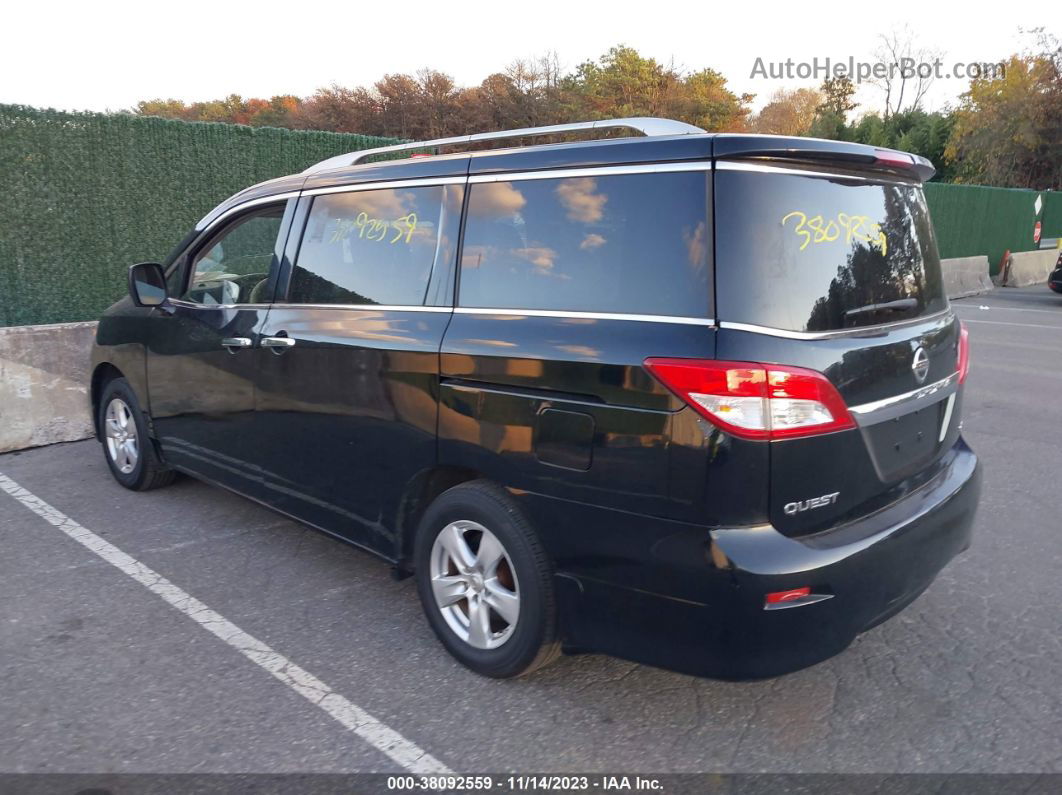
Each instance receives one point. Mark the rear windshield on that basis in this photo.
(810, 253)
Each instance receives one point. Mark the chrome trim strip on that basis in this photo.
(887, 408)
(388, 185)
(373, 307)
(736, 165)
(862, 331)
(945, 424)
(206, 221)
(377, 307)
(464, 310)
(692, 321)
(194, 305)
(561, 173)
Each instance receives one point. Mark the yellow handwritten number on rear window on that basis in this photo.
(820, 230)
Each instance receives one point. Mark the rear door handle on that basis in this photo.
(232, 344)
(277, 344)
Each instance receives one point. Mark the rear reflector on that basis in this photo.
(964, 352)
(788, 596)
(797, 597)
(756, 401)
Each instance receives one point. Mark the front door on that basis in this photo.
(204, 348)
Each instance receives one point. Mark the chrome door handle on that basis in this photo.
(232, 344)
(277, 344)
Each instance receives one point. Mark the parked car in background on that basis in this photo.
(690, 399)
(1054, 281)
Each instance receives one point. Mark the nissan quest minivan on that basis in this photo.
(689, 399)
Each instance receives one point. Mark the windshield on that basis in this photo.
(822, 253)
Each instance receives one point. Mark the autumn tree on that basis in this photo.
(622, 83)
(279, 111)
(704, 100)
(790, 112)
(166, 108)
(528, 92)
(339, 109)
(837, 94)
(1008, 128)
(536, 94)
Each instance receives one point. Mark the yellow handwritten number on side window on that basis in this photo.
(820, 230)
(376, 228)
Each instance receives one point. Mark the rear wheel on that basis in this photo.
(485, 582)
(129, 451)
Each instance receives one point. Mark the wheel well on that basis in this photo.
(101, 376)
(419, 494)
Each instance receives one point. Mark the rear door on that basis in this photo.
(568, 282)
(837, 270)
(348, 382)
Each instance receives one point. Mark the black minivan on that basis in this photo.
(689, 399)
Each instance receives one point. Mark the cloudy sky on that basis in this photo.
(108, 55)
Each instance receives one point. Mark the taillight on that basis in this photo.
(756, 401)
(964, 352)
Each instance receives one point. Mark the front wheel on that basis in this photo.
(129, 451)
(485, 582)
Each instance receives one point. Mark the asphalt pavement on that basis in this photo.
(99, 673)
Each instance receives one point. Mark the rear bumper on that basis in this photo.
(711, 620)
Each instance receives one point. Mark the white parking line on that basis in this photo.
(381, 736)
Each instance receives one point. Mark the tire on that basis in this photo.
(499, 646)
(129, 451)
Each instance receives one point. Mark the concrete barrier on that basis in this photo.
(964, 276)
(44, 373)
(1030, 267)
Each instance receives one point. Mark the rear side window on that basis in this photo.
(630, 243)
(807, 253)
(375, 246)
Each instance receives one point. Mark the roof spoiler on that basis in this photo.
(821, 150)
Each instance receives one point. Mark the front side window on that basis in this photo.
(628, 243)
(375, 246)
(233, 267)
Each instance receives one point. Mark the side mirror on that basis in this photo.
(147, 284)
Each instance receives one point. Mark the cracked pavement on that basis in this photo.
(99, 675)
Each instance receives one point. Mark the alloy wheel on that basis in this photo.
(120, 433)
(474, 583)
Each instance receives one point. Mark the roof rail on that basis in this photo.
(645, 125)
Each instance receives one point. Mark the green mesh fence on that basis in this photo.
(972, 220)
(87, 194)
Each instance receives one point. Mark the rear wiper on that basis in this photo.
(900, 305)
